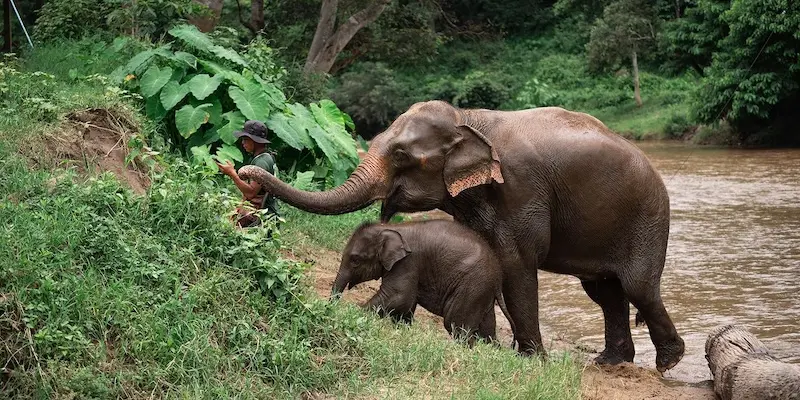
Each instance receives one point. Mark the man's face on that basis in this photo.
(248, 144)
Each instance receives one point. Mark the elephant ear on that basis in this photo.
(471, 161)
(393, 248)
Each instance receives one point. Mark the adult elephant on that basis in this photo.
(548, 188)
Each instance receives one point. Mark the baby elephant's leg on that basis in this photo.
(472, 317)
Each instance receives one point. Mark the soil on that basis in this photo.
(623, 382)
(92, 141)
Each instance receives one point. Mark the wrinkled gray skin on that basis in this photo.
(548, 189)
(441, 265)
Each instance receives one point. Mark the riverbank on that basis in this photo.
(318, 239)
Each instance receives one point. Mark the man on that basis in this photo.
(254, 141)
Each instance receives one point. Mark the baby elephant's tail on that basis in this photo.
(502, 303)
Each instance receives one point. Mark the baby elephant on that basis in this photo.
(441, 265)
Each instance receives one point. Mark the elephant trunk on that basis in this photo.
(340, 284)
(365, 185)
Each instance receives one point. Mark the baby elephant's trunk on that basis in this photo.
(340, 284)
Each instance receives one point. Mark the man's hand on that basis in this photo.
(227, 168)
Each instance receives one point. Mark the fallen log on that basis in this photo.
(743, 368)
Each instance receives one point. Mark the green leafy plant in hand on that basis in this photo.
(203, 92)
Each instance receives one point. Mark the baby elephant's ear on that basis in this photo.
(392, 249)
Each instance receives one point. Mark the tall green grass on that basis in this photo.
(105, 294)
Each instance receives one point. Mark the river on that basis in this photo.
(733, 256)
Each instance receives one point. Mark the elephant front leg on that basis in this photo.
(399, 306)
(521, 293)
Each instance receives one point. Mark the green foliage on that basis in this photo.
(627, 26)
(372, 95)
(71, 19)
(204, 92)
(480, 89)
(753, 78)
(691, 41)
(74, 19)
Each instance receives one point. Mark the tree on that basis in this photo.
(208, 22)
(330, 41)
(691, 40)
(627, 28)
(754, 78)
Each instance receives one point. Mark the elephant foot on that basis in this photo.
(614, 356)
(669, 354)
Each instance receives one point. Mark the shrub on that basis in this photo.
(481, 90)
(204, 92)
(372, 95)
(72, 19)
(676, 126)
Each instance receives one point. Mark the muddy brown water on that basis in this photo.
(733, 257)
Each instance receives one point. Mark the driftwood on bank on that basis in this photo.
(743, 368)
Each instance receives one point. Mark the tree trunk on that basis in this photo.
(327, 45)
(256, 15)
(743, 369)
(678, 8)
(207, 24)
(325, 25)
(636, 94)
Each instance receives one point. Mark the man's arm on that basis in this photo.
(249, 190)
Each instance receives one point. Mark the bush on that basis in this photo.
(373, 96)
(74, 19)
(481, 90)
(676, 126)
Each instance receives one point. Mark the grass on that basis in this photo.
(106, 294)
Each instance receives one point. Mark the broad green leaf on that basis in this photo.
(331, 120)
(252, 103)
(304, 181)
(133, 65)
(187, 58)
(332, 112)
(301, 122)
(231, 76)
(154, 79)
(154, 109)
(203, 85)
(172, 94)
(189, 119)
(229, 55)
(275, 95)
(279, 123)
(190, 35)
(324, 142)
(202, 155)
(204, 137)
(235, 122)
(227, 152)
(348, 122)
(214, 112)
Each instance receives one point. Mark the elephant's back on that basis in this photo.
(450, 241)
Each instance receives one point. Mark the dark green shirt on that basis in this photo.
(267, 162)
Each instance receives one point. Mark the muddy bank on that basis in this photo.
(623, 382)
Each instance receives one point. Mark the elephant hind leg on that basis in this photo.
(647, 299)
(487, 329)
(608, 294)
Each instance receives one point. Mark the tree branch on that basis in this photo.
(327, 55)
(327, 20)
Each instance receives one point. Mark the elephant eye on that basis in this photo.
(400, 157)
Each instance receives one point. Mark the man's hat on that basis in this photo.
(255, 130)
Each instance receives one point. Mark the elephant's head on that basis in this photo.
(429, 153)
(373, 250)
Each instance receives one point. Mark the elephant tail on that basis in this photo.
(502, 303)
